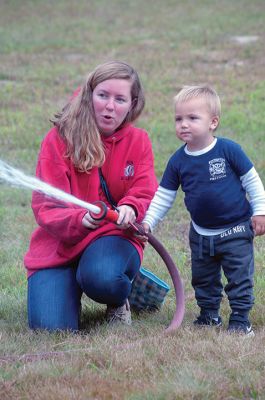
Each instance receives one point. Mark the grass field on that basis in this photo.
(46, 49)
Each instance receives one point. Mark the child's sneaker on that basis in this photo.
(241, 327)
(207, 320)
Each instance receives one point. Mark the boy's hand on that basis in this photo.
(146, 227)
(143, 238)
(258, 224)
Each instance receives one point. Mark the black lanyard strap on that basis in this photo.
(106, 191)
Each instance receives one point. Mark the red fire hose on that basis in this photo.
(111, 215)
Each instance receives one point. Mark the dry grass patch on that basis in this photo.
(46, 50)
(189, 364)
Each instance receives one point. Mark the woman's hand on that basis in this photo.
(89, 222)
(126, 216)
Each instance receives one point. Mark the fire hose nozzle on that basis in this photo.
(105, 212)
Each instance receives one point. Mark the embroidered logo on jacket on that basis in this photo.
(217, 169)
(128, 170)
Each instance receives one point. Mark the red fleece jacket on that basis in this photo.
(129, 173)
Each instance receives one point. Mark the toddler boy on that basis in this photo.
(215, 175)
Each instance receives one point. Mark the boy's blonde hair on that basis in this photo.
(203, 91)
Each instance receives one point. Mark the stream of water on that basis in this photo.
(15, 177)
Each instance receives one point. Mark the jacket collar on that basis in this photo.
(118, 135)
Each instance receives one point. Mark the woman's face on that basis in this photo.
(111, 101)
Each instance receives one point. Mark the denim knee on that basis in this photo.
(54, 299)
(106, 269)
(106, 289)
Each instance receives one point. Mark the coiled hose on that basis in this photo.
(112, 215)
(175, 276)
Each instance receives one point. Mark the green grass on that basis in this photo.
(46, 50)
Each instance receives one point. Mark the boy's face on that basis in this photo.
(195, 124)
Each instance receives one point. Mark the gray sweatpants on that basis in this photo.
(231, 251)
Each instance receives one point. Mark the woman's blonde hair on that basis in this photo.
(203, 91)
(76, 122)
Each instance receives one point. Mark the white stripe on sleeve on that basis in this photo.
(159, 206)
(251, 182)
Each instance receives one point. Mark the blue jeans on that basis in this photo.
(104, 273)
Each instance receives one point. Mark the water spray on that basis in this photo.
(15, 177)
(100, 211)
